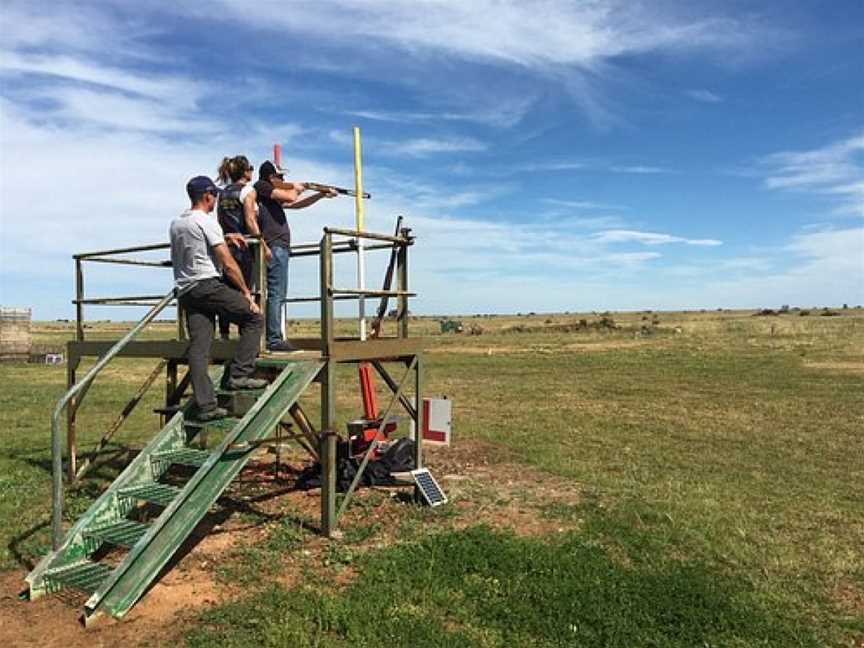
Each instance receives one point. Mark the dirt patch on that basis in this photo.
(477, 350)
(185, 588)
(55, 620)
(490, 350)
(489, 488)
(850, 598)
(853, 367)
(608, 345)
(483, 483)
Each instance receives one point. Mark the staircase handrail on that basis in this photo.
(56, 441)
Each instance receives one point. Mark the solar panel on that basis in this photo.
(428, 487)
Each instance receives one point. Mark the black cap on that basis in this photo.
(199, 185)
(267, 169)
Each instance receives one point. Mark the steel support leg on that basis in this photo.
(327, 451)
(418, 413)
(71, 413)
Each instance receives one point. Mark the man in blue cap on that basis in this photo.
(202, 265)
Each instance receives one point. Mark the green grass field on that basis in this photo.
(700, 483)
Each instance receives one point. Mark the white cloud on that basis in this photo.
(504, 114)
(580, 204)
(842, 249)
(423, 146)
(639, 169)
(650, 238)
(529, 35)
(116, 111)
(821, 268)
(415, 147)
(575, 45)
(72, 91)
(586, 165)
(177, 90)
(550, 166)
(705, 96)
(80, 27)
(834, 170)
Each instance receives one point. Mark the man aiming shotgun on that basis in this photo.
(274, 195)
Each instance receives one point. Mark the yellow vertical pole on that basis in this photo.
(358, 208)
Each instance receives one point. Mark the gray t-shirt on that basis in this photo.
(193, 236)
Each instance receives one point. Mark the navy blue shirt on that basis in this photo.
(230, 210)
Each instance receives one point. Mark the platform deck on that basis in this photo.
(342, 350)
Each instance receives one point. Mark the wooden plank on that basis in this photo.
(341, 350)
(167, 349)
(380, 348)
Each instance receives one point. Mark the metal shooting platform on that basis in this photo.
(256, 416)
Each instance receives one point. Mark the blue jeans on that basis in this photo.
(277, 290)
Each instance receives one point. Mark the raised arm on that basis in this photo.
(287, 192)
(311, 200)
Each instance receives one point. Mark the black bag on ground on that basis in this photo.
(399, 457)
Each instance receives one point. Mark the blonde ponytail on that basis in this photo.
(224, 170)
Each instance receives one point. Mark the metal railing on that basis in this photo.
(342, 241)
(77, 388)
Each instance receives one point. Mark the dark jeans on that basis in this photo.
(202, 303)
(246, 263)
(277, 290)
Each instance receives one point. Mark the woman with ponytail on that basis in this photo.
(237, 214)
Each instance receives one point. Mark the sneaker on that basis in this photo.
(213, 413)
(283, 347)
(246, 383)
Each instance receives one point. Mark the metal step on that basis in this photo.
(116, 589)
(84, 576)
(123, 534)
(160, 494)
(183, 457)
(221, 391)
(226, 423)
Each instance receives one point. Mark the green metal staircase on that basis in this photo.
(87, 560)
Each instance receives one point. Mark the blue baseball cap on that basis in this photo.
(199, 185)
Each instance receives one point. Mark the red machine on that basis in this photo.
(362, 432)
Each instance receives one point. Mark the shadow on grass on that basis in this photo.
(106, 463)
(30, 545)
(478, 587)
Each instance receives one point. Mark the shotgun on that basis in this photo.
(315, 186)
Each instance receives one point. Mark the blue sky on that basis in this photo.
(550, 156)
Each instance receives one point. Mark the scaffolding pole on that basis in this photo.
(361, 256)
